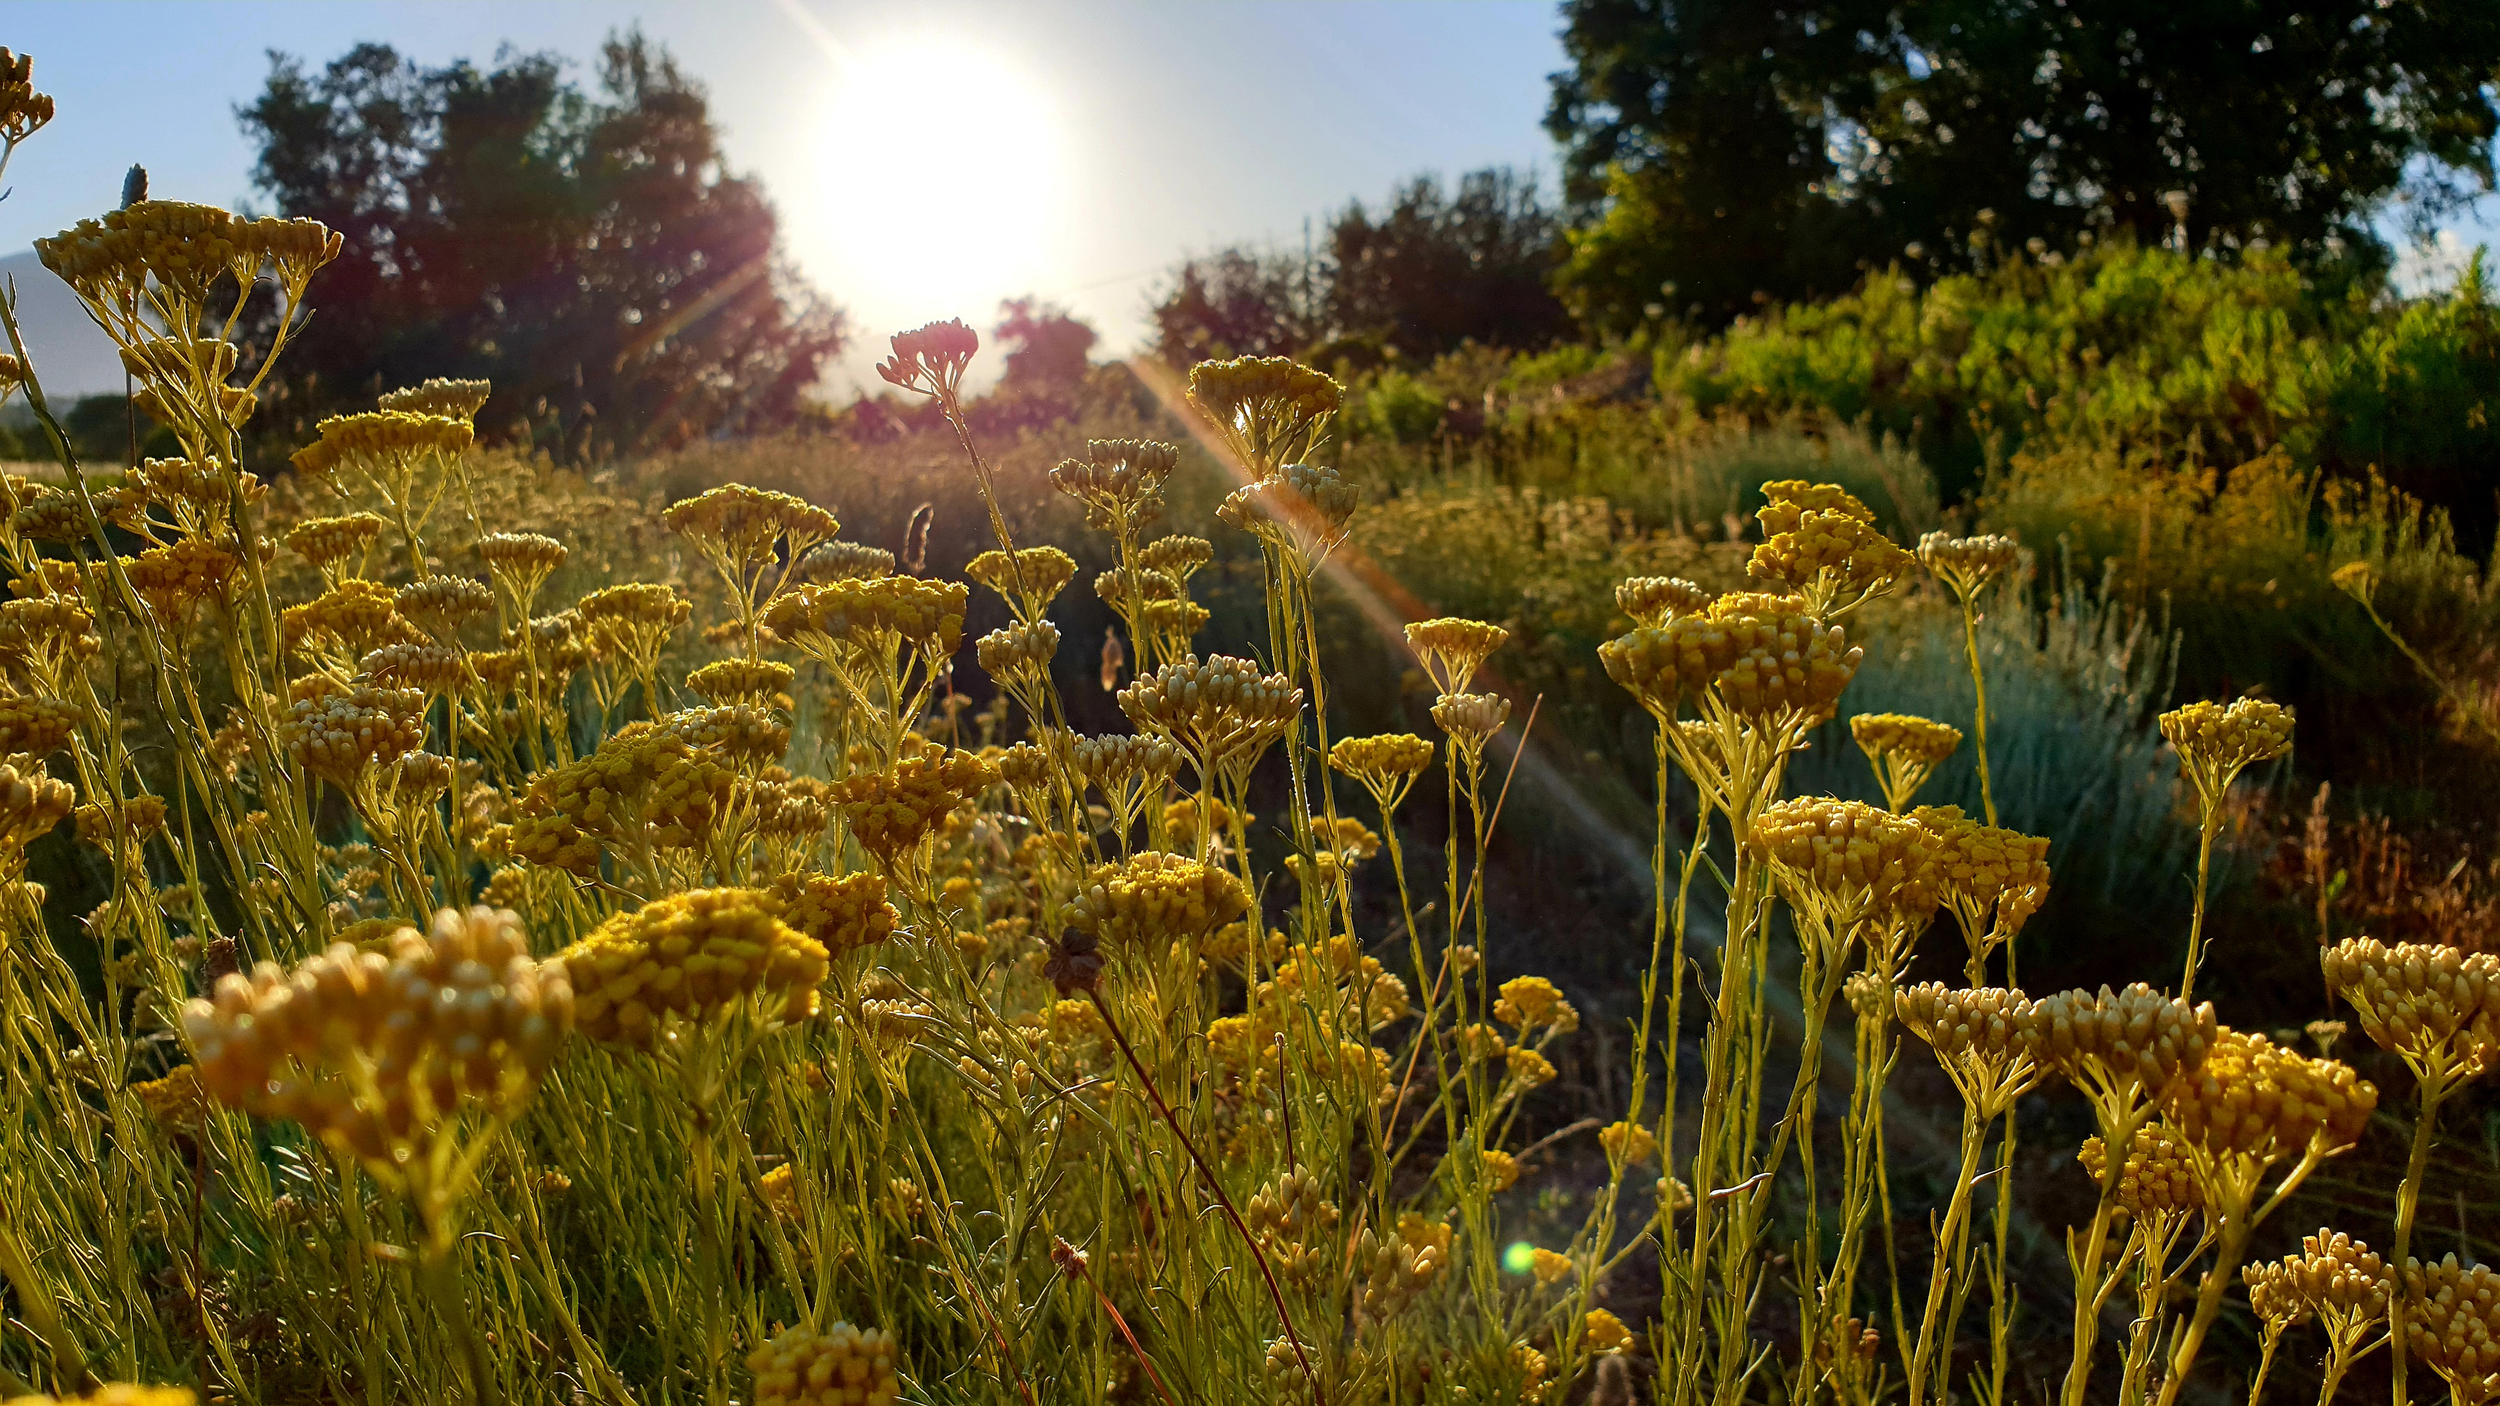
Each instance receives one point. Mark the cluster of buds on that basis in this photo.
(23, 111)
(1027, 579)
(332, 543)
(1967, 564)
(2120, 1041)
(631, 623)
(844, 561)
(742, 530)
(346, 737)
(354, 617)
(930, 360)
(375, 1051)
(2452, 1322)
(726, 683)
(2215, 743)
(1152, 900)
(1222, 710)
(384, 447)
(1178, 557)
(1988, 1039)
(520, 563)
(1470, 720)
(1395, 1269)
(35, 727)
(1120, 481)
(1760, 656)
(1018, 655)
(1904, 750)
(870, 616)
(692, 955)
(1993, 879)
(891, 812)
(1300, 508)
(644, 788)
(743, 734)
(440, 605)
(115, 1393)
(2156, 1179)
(1271, 410)
(1652, 601)
(1452, 649)
(1294, 1225)
(842, 915)
(837, 1366)
(438, 669)
(2435, 1006)
(1820, 542)
(1386, 765)
(2336, 1277)
(48, 637)
(2254, 1100)
(31, 804)
(1850, 862)
(1530, 1003)
(183, 248)
(441, 396)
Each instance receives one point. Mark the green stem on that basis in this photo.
(2434, 1091)
(1979, 686)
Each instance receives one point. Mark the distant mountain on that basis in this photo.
(72, 355)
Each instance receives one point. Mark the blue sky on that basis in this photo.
(1097, 140)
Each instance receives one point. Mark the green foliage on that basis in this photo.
(584, 250)
(1723, 153)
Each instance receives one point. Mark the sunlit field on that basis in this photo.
(1243, 878)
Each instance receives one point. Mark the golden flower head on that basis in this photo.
(357, 617)
(1967, 564)
(1858, 861)
(1027, 580)
(2437, 1007)
(177, 1102)
(1115, 759)
(339, 736)
(185, 248)
(1019, 652)
(1302, 508)
(1470, 719)
(367, 1048)
(891, 811)
(47, 634)
(1269, 409)
(1834, 559)
(114, 1393)
(2215, 742)
(23, 111)
(1501, 1170)
(31, 803)
(724, 682)
(836, 1366)
(440, 605)
(1983, 870)
(692, 955)
(644, 787)
(1900, 734)
(1120, 481)
(384, 443)
(842, 914)
(2336, 1276)
(430, 668)
(1531, 1002)
(1549, 1266)
(844, 561)
(440, 397)
(1602, 1332)
(1760, 656)
(1152, 899)
(2452, 1322)
(1628, 1143)
(1219, 708)
(1652, 601)
(521, 556)
(1785, 502)
(2156, 1179)
(1387, 764)
(931, 359)
(2254, 1099)
(35, 727)
(870, 615)
(632, 621)
(1177, 557)
(2134, 1037)
(1452, 649)
(1992, 1023)
(738, 732)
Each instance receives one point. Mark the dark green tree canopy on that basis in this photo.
(1725, 151)
(585, 250)
(1433, 269)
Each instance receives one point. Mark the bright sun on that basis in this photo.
(940, 166)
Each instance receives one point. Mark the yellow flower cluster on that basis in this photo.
(47, 635)
(2135, 1037)
(1786, 501)
(643, 786)
(870, 614)
(1530, 1002)
(842, 915)
(738, 732)
(1831, 557)
(1019, 652)
(182, 246)
(737, 524)
(1393, 1270)
(1029, 579)
(2452, 1322)
(382, 442)
(367, 1050)
(1903, 735)
(2215, 742)
(2156, 1179)
(177, 1102)
(1301, 507)
(1153, 899)
(1293, 1223)
(1652, 601)
(2254, 1099)
(2335, 1276)
(891, 811)
(1761, 655)
(1387, 764)
(327, 541)
(1628, 1143)
(1605, 1333)
(440, 396)
(1858, 861)
(1178, 557)
(114, 1393)
(1270, 409)
(1992, 1024)
(2434, 1005)
(837, 1366)
(22, 110)
(35, 727)
(1115, 759)
(1120, 481)
(1220, 708)
(727, 682)
(138, 818)
(440, 605)
(1470, 719)
(633, 620)
(1983, 869)
(520, 556)
(31, 803)
(1967, 564)
(844, 561)
(1453, 649)
(692, 955)
(427, 668)
(358, 617)
(339, 736)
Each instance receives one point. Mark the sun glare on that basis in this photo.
(939, 167)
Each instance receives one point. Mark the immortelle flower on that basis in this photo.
(2452, 1322)
(2339, 1279)
(114, 1393)
(36, 727)
(1850, 862)
(1120, 481)
(520, 563)
(439, 396)
(2156, 1179)
(31, 804)
(844, 561)
(631, 623)
(1759, 656)
(930, 360)
(1270, 410)
(1629, 1144)
(836, 1366)
(1602, 1332)
(1986, 1038)
(1652, 601)
(354, 617)
(891, 812)
(2252, 1103)
(1451, 649)
(375, 1052)
(1992, 879)
(1027, 580)
(1832, 557)
(2215, 743)
(1967, 564)
(692, 956)
(1019, 654)
(1904, 750)
(1301, 508)
(2434, 1006)
(440, 605)
(644, 789)
(1177, 557)
(740, 529)
(430, 668)
(856, 619)
(754, 682)
(2113, 1042)
(1532, 1002)
(344, 737)
(842, 914)
(1386, 765)
(1222, 710)
(1151, 900)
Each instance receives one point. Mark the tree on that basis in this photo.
(1236, 302)
(1045, 345)
(585, 251)
(1722, 153)
(1437, 271)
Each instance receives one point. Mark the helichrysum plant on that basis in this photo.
(529, 969)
